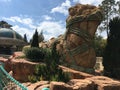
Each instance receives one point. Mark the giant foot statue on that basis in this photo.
(78, 48)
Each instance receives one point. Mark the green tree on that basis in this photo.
(25, 38)
(41, 37)
(109, 10)
(118, 5)
(4, 24)
(99, 45)
(34, 42)
(50, 71)
(111, 58)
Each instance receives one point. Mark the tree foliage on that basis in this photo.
(100, 44)
(25, 38)
(4, 24)
(41, 37)
(50, 71)
(111, 59)
(34, 54)
(34, 42)
(110, 9)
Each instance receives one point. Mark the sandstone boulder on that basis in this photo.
(20, 68)
(82, 24)
(74, 74)
(59, 86)
(38, 85)
(80, 84)
(105, 83)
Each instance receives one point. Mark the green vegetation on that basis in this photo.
(100, 44)
(110, 8)
(34, 54)
(4, 24)
(111, 58)
(35, 42)
(50, 70)
(25, 38)
(40, 37)
(20, 57)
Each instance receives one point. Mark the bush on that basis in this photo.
(35, 42)
(42, 72)
(25, 49)
(99, 45)
(34, 54)
(50, 71)
(111, 58)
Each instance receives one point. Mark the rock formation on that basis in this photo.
(79, 80)
(81, 26)
(76, 45)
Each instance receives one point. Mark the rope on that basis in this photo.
(80, 49)
(81, 33)
(8, 81)
(96, 16)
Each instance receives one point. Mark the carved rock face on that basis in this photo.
(81, 24)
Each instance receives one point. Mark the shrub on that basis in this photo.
(32, 78)
(50, 70)
(99, 45)
(34, 54)
(43, 73)
(111, 59)
(35, 42)
(25, 49)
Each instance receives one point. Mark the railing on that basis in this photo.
(7, 82)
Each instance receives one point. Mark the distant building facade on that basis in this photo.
(10, 41)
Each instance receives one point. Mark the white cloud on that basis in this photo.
(95, 2)
(26, 21)
(46, 17)
(51, 29)
(63, 8)
(22, 31)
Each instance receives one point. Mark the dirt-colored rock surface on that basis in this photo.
(59, 86)
(82, 24)
(80, 81)
(81, 84)
(76, 74)
(38, 85)
(20, 68)
(105, 83)
(93, 83)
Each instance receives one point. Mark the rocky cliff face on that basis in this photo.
(79, 80)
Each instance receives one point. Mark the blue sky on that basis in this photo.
(46, 15)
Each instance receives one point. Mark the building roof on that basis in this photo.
(10, 37)
(9, 33)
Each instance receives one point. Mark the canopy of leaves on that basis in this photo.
(111, 8)
(100, 44)
(111, 59)
(4, 24)
(35, 42)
